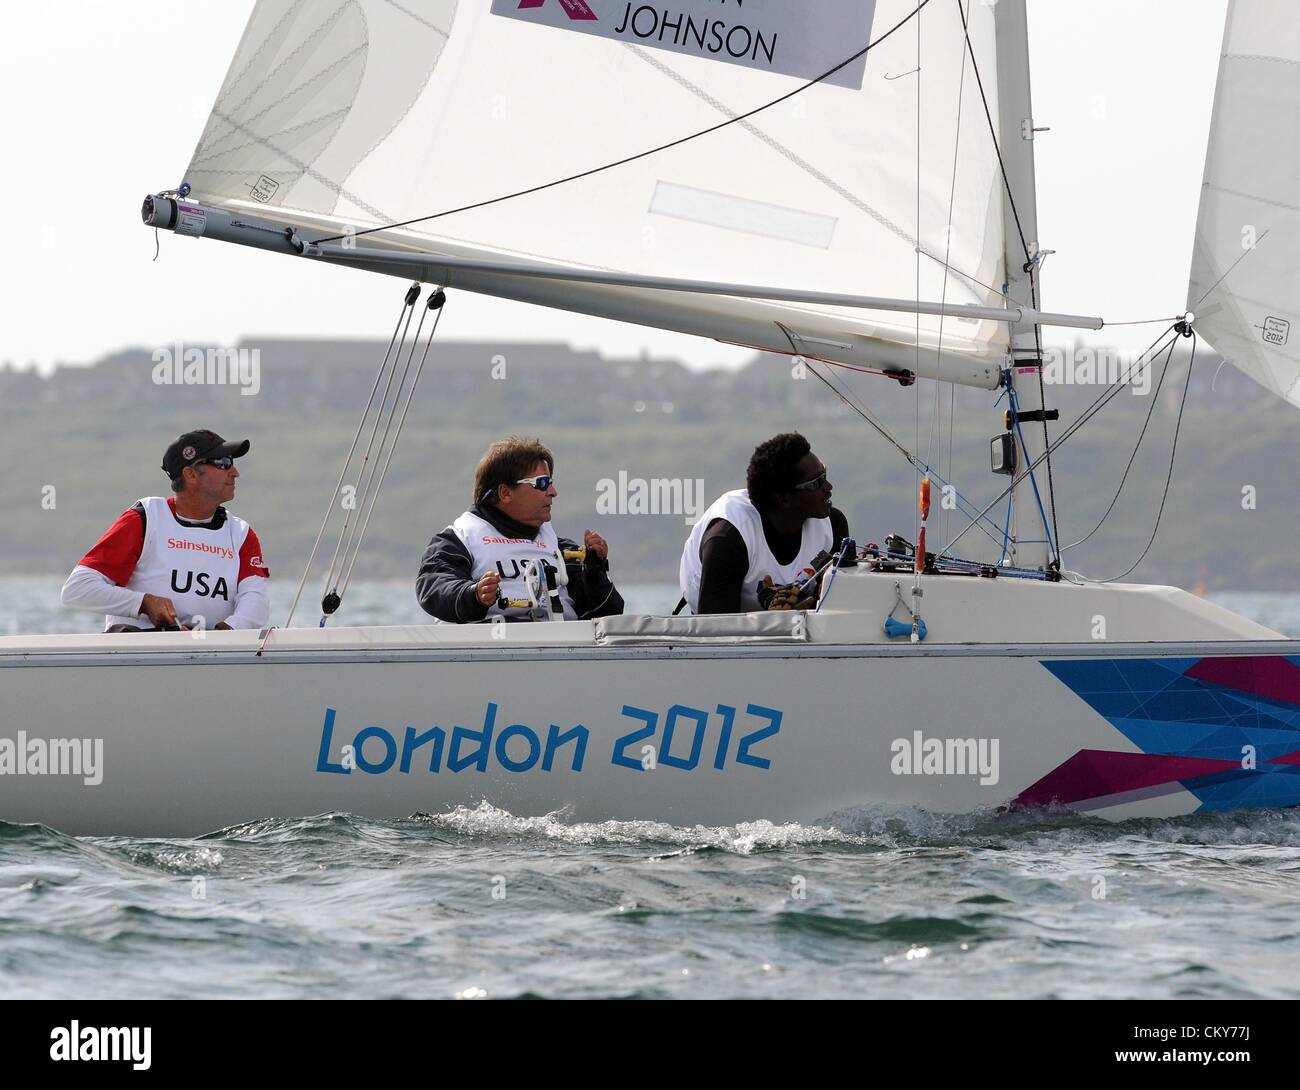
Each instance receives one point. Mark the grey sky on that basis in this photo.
(104, 100)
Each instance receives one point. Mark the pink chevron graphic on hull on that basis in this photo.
(1095, 773)
(1286, 759)
(574, 9)
(1271, 676)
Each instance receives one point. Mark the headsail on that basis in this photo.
(1245, 282)
(356, 114)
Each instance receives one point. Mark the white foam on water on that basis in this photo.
(195, 859)
(893, 828)
(176, 859)
(486, 820)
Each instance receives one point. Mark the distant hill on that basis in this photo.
(96, 435)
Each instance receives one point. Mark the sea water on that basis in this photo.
(479, 902)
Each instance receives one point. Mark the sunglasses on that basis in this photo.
(216, 463)
(817, 483)
(542, 483)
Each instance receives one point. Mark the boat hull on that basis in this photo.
(192, 740)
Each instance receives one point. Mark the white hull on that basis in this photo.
(198, 734)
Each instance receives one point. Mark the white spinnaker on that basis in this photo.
(368, 112)
(1245, 282)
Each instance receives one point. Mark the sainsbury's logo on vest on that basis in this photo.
(201, 547)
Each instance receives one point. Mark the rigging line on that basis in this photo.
(1006, 534)
(386, 414)
(401, 423)
(331, 575)
(1053, 532)
(1100, 403)
(953, 269)
(916, 442)
(993, 132)
(1155, 397)
(1014, 402)
(1024, 245)
(651, 151)
(1055, 535)
(1146, 321)
(796, 355)
(407, 303)
(844, 366)
(936, 443)
(1169, 478)
(884, 432)
(1082, 419)
(966, 506)
(952, 427)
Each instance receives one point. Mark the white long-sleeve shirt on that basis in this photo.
(113, 579)
(86, 588)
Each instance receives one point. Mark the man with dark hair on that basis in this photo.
(183, 561)
(766, 533)
(476, 568)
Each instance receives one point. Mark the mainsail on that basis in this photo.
(351, 115)
(1245, 281)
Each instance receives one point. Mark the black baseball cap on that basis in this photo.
(199, 446)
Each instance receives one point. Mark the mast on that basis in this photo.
(1016, 140)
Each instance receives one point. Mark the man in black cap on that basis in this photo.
(183, 561)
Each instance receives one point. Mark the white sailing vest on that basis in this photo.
(737, 509)
(196, 567)
(489, 550)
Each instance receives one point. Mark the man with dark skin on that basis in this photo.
(766, 534)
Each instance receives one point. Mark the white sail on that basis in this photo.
(1245, 282)
(362, 113)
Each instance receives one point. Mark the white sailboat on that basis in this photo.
(751, 173)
